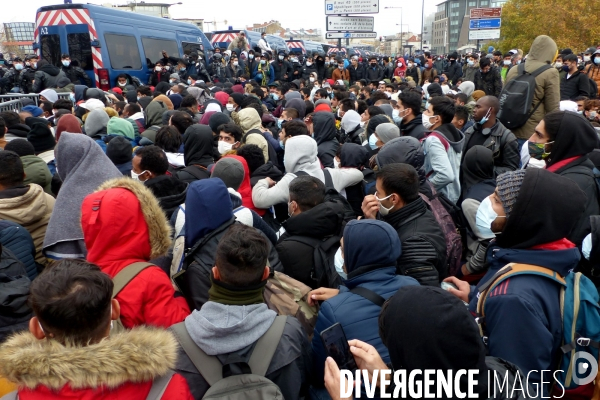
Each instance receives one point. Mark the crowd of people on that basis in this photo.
(195, 236)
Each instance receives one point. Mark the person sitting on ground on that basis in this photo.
(119, 151)
(69, 351)
(235, 316)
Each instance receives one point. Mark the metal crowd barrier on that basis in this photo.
(33, 96)
(11, 105)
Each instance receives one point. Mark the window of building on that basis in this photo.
(472, 4)
(123, 51)
(454, 5)
(80, 49)
(484, 3)
(153, 49)
(454, 22)
(51, 49)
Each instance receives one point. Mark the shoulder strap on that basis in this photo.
(159, 386)
(540, 70)
(300, 173)
(265, 347)
(369, 295)
(209, 367)
(441, 138)
(307, 240)
(328, 180)
(126, 275)
(10, 396)
(194, 170)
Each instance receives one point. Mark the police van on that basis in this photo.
(107, 42)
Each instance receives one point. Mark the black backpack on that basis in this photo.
(323, 273)
(331, 194)
(517, 98)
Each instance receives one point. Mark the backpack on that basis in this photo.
(287, 296)
(159, 386)
(121, 280)
(331, 194)
(517, 96)
(580, 314)
(454, 246)
(323, 273)
(250, 385)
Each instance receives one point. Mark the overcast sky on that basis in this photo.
(239, 13)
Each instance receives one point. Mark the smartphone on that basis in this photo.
(336, 345)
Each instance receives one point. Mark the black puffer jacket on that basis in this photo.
(169, 191)
(46, 77)
(14, 292)
(325, 135)
(423, 243)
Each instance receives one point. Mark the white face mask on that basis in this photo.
(586, 58)
(158, 68)
(383, 210)
(426, 121)
(339, 264)
(311, 79)
(308, 63)
(586, 246)
(122, 84)
(485, 217)
(235, 63)
(137, 176)
(229, 107)
(224, 147)
(399, 65)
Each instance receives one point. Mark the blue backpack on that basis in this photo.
(580, 314)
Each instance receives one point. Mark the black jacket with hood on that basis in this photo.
(501, 141)
(413, 128)
(14, 292)
(46, 76)
(169, 191)
(197, 153)
(325, 135)
(355, 156)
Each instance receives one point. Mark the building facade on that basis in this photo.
(440, 30)
(18, 37)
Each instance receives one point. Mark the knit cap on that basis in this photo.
(40, 136)
(20, 146)
(230, 171)
(119, 150)
(387, 131)
(508, 186)
(50, 95)
(478, 94)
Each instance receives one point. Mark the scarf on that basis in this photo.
(222, 293)
(265, 74)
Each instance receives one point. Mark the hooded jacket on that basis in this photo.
(82, 166)
(169, 191)
(208, 215)
(298, 105)
(351, 127)
(371, 248)
(14, 293)
(501, 141)
(478, 179)
(153, 113)
(443, 167)
(36, 171)
(119, 366)
(46, 77)
(320, 222)
(576, 138)
(123, 224)
(325, 135)
(96, 123)
(547, 84)
(530, 237)
(18, 240)
(17, 131)
(490, 82)
(197, 153)
(67, 123)
(245, 189)
(120, 127)
(413, 128)
(301, 155)
(250, 121)
(354, 156)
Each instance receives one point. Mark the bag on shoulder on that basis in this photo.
(323, 273)
(517, 96)
(580, 314)
(121, 280)
(287, 296)
(331, 194)
(252, 384)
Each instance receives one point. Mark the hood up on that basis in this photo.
(50, 69)
(249, 119)
(377, 245)
(154, 112)
(406, 150)
(218, 119)
(323, 220)
(67, 123)
(547, 208)
(353, 156)
(96, 122)
(477, 166)
(575, 137)
(298, 105)
(245, 189)
(301, 155)
(324, 127)
(120, 127)
(350, 121)
(198, 145)
(543, 49)
(375, 121)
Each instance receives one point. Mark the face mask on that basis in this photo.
(538, 150)
(383, 210)
(565, 68)
(263, 62)
(158, 69)
(229, 107)
(426, 121)
(597, 60)
(189, 81)
(251, 56)
(518, 62)
(224, 147)
(373, 65)
(586, 58)
(339, 264)
(290, 213)
(308, 63)
(282, 145)
(558, 64)
(373, 141)
(137, 176)
(66, 63)
(484, 218)
(279, 123)
(72, 98)
(410, 65)
(486, 118)
(339, 113)
(138, 98)
(294, 60)
(586, 246)
(227, 58)
(34, 65)
(362, 124)
(399, 65)
(592, 115)
(275, 96)
(123, 84)
(326, 62)
(280, 58)
(311, 79)
(396, 116)
(167, 68)
(235, 63)
(471, 62)
(172, 80)
(28, 63)
(580, 112)
(18, 67)
(507, 62)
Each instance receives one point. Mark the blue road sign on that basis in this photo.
(485, 23)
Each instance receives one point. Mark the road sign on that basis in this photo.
(350, 35)
(486, 12)
(351, 7)
(484, 34)
(485, 23)
(351, 24)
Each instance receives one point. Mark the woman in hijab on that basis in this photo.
(197, 153)
(563, 139)
(67, 123)
(83, 167)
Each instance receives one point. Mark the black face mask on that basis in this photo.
(373, 64)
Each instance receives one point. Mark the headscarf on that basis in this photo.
(477, 166)
(575, 137)
(198, 145)
(67, 123)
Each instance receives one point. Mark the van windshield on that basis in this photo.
(51, 49)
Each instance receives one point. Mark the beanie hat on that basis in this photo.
(509, 185)
(387, 131)
(237, 97)
(50, 95)
(238, 89)
(33, 110)
(478, 94)
(119, 150)
(230, 171)
(40, 136)
(62, 82)
(20, 146)
(27, 102)
(218, 119)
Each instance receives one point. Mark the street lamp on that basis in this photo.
(387, 8)
(407, 31)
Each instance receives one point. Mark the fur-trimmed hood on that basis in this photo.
(138, 355)
(115, 230)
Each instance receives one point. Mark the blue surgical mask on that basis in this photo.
(485, 217)
(275, 96)
(339, 264)
(279, 122)
(586, 246)
(396, 116)
(373, 141)
(486, 118)
(189, 81)
(282, 145)
(72, 98)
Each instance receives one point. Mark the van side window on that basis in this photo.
(51, 49)
(153, 49)
(123, 51)
(189, 47)
(80, 49)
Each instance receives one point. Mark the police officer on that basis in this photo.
(74, 73)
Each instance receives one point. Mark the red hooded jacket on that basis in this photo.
(400, 71)
(124, 225)
(245, 189)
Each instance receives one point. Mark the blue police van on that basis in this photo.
(107, 42)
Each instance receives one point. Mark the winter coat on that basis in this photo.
(322, 221)
(127, 227)
(76, 74)
(547, 84)
(413, 128)
(415, 73)
(14, 293)
(36, 171)
(373, 73)
(283, 68)
(18, 240)
(469, 71)
(503, 144)
(428, 74)
(593, 72)
(356, 73)
(340, 74)
(490, 82)
(264, 171)
(453, 71)
(325, 135)
(576, 85)
(307, 70)
(169, 191)
(198, 153)
(110, 369)
(31, 208)
(46, 77)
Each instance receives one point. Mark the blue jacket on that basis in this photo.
(523, 320)
(18, 240)
(271, 74)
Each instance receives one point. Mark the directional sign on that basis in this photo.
(484, 34)
(485, 23)
(351, 7)
(351, 24)
(350, 35)
(486, 12)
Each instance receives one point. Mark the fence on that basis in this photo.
(13, 101)
(11, 105)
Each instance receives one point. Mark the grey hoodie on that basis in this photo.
(96, 122)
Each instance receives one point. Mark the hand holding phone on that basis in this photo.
(337, 347)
